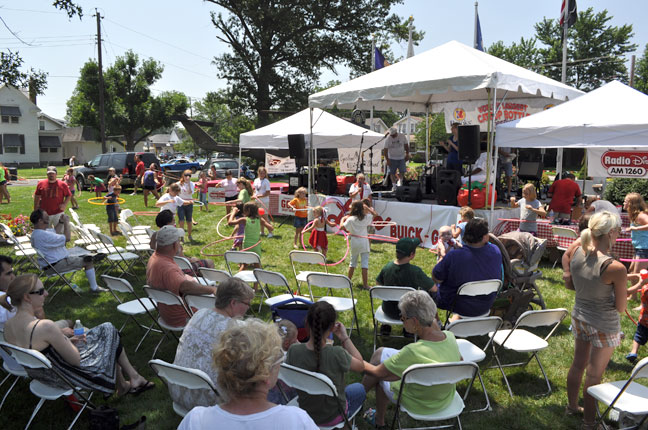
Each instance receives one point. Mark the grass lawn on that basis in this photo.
(528, 409)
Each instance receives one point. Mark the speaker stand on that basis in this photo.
(469, 184)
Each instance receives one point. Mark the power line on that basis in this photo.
(28, 10)
(46, 46)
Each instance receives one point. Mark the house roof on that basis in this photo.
(10, 88)
(160, 138)
(58, 122)
(79, 134)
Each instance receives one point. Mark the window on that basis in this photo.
(14, 143)
(53, 150)
(14, 120)
(41, 125)
(95, 161)
(43, 150)
(5, 119)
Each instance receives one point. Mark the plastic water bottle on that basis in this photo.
(78, 328)
(643, 273)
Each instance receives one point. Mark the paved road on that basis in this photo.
(25, 183)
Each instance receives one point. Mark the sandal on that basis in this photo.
(136, 391)
(574, 411)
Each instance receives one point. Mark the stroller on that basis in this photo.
(521, 254)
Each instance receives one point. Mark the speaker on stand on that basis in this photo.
(297, 149)
(447, 185)
(531, 171)
(326, 180)
(469, 149)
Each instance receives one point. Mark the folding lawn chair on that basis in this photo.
(169, 299)
(473, 289)
(199, 301)
(12, 368)
(214, 275)
(385, 293)
(64, 277)
(120, 260)
(266, 278)
(186, 266)
(338, 282)
(306, 257)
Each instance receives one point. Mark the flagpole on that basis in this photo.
(475, 30)
(371, 112)
(565, 19)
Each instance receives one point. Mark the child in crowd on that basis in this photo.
(530, 208)
(252, 223)
(238, 232)
(288, 332)
(318, 239)
(466, 213)
(111, 180)
(112, 208)
(159, 178)
(203, 182)
(299, 205)
(73, 185)
(637, 210)
(641, 335)
(245, 191)
(98, 185)
(171, 199)
(356, 224)
(149, 184)
(446, 242)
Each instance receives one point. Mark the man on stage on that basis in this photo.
(396, 154)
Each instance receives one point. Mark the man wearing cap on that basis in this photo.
(52, 196)
(478, 260)
(396, 154)
(400, 273)
(162, 273)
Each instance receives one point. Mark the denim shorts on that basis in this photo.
(641, 335)
(355, 396)
(507, 168)
(112, 213)
(300, 222)
(397, 165)
(185, 212)
(641, 252)
(203, 197)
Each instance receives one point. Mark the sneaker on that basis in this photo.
(133, 194)
(399, 183)
(632, 358)
(270, 235)
(100, 290)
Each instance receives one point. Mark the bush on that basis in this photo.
(618, 188)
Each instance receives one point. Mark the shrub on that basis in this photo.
(618, 188)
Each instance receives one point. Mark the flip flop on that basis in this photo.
(136, 391)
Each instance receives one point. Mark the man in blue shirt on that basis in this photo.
(478, 260)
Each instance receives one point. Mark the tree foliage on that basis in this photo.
(69, 7)
(131, 110)
(11, 74)
(279, 48)
(437, 132)
(227, 113)
(641, 73)
(595, 50)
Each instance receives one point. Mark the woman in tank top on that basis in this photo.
(600, 285)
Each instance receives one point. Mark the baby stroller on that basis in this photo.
(521, 254)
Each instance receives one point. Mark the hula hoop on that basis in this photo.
(624, 240)
(146, 213)
(218, 226)
(383, 223)
(346, 238)
(631, 319)
(222, 204)
(630, 260)
(202, 250)
(119, 201)
(267, 210)
(381, 237)
(198, 203)
(522, 220)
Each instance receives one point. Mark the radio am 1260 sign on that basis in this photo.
(625, 163)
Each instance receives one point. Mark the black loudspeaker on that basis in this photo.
(409, 193)
(468, 143)
(296, 180)
(326, 180)
(448, 183)
(296, 147)
(530, 170)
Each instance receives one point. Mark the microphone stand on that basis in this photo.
(360, 162)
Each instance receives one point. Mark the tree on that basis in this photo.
(641, 74)
(227, 114)
(437, 132)
(130, 109)
(279, 48)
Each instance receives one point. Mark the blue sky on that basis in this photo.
(180, 35)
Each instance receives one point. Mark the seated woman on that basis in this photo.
(94, 361)
(200, 335)
(333, 361)
(247, 358)
(434, 346)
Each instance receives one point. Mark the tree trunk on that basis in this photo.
(263, 102)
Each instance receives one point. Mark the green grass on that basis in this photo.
(526, 410)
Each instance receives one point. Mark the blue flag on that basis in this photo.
(379, 60)
(479, 43)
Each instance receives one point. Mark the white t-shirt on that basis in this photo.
(50, 244)
(365, 193)
(5, 314)
(277, 418)
(174, 203)
(357, 228)
(187, 190)
(262, 186)
(396, 146)
(231, 190)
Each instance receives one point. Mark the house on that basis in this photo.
(50, 131)
(162, 142)
(378, 125)
(83, 142)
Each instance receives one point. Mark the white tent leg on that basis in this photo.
(239, 170)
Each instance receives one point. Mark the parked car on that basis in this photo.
(123, 162)
(182, 164)
(223, 164)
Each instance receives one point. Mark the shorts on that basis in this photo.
(72, 191)
(203, 197)
(55, 219)
(395, 165)
(149, 187)
(364, 260)
(3, 183)
(229, 199)
(185, 212)
(76, 259)
(138, 181)
(386, 387)
(299, 222)
(355, 396)
(641, 335)
(598, 339)
(111, 210)
(507, 168)
(641, 252)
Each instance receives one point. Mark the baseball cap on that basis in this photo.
(168, 235)
(407, 245)
(393, 131)
(51, 169)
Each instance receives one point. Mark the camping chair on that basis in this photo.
(627, 396)
(341, 304)
(475, 288)
(387, 294)
(199, 301)
(12, 368)
(522, 341)
(265, 278)
(563, 233)
(471, 327)
(213, 275)
(121, 260)
(306, 257)
(435, 374)
(185, 266)
(315, 384)
(169, 299)
(192, 379)
(32, 359)
(131, 308)
(64, 277)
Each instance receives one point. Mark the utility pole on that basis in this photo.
(102, 118)
(632, 70)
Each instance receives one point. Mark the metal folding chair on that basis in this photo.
(185, 265)
(62, 276)
(385, 293)
(338, 282)
(473, 289)
(214, 275)
(167, 298)
(121, 260)
(306, 257)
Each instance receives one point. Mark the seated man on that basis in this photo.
(478, 172)
(52, 246)
(478, 260)
(162, 273)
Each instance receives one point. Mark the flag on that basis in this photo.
(410, 42)
(568, 8)
(479, 42)
(379, 61)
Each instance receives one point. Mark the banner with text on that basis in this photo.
(349, 160)
(215, 195)
(623, 163)
(279, 165)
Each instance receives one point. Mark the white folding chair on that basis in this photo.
(131, 308)
(23, 250)
(317, 384)
(192, 379)
(473, 327)
(564, 233)
(121, 260)
(267, 278)
(199, 301)
(306, 257)
(385, 293)
(169, 299)
(12, 368)
(138, 228)
(185, 265)
(627, 396)
(242, 257)
(76, 220)
(63, 277)
(474, 289)
(435, 374)
(338, 282)
(32, 359)
(523, 341)
(134, 237)
(214, 275)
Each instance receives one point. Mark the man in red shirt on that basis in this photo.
(140, 168)
(563, 194)
(53, 196)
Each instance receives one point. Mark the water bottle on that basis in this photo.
(78, 328)
(644, 274)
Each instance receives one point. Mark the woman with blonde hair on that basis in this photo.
(600, 285)
(247, 359)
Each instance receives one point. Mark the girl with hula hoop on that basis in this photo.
(356, 224)
(637, 210)
(318, 239)
(262, 194)
(172, 201)
(185, 212)
(252, 223)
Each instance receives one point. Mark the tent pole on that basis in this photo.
(427, 134)
(310, 162)
(490, 179)
(239, 170)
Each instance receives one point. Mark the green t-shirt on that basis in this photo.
(335, 362)
(402, 275)
(420, 399)
(2, 174)
(244, 196)
(252, 235)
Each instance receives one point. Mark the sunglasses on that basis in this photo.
(188, 175)
(38, 292)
